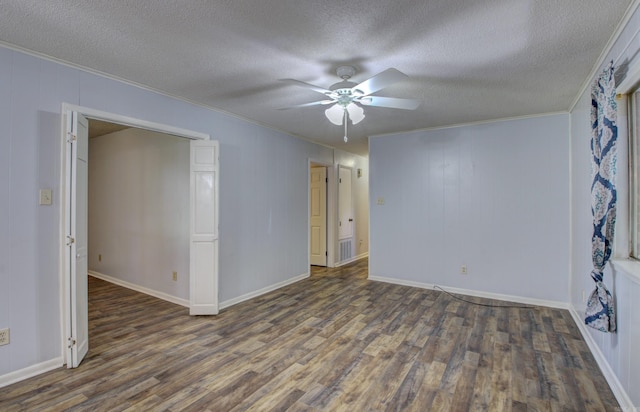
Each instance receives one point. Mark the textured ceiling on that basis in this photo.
(467, 61)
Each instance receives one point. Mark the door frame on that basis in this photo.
(331, 211)
(93, 114)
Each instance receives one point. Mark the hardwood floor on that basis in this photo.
(333, 342)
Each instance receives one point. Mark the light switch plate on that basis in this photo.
(4, 336)
(45, 197)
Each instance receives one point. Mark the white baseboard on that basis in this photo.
(141, 289)
(468, 292)
(353, 259)
(262, 291)
(616, 387)
(30, 371)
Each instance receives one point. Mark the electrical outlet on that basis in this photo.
(175, 276)
(463, 269)
(4, 336)
(45, 197)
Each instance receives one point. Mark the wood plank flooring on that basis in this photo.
(333, 342)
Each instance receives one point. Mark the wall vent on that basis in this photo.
(345, 250)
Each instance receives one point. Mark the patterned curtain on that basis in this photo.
(600, 313)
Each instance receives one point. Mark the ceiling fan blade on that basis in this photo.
(380, 81)
(393, 102)
(319, 102)
(306, 85)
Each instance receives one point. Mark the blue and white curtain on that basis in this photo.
(600, 313)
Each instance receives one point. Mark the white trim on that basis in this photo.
(62, 220)
(632, 39)
(571, 212)
(631, 81)
(622, 24)
(468, 292)
(627, 267)
(135, 122)
(353, 259)
(479, 122)
(332, 213)
(616, 387)
(30, 371)
(141, 289)
(259, 292)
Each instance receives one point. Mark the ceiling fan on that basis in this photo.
(347, 96)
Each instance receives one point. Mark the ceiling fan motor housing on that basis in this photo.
(345, 72)
(344, 89)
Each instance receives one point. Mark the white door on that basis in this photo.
(77, 141)
(204, 228)
(318, 217)
(345, 204)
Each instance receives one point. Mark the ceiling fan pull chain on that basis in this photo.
(345, 126)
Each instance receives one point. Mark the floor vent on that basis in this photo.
(345, 250)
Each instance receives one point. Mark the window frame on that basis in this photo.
(628, 96)
(632, 137)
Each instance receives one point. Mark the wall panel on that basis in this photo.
(493, 197)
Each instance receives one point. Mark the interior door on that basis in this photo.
(203, 253)
(345, 204)
(318, 217)
(77, 141)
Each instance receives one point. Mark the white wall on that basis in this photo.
(617, 352)
(493, 197)
(263, 195)
(139, 209)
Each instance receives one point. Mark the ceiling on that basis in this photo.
(467, 61)
(99, 128)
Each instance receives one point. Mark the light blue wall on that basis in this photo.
(493, 197)
(139, 210)
(263, 194)
(620, 350)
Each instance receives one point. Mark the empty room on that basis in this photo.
(322, 206)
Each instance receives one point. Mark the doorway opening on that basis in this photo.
(203, 221)
(345, 214)
(321, 214)
(138, 210)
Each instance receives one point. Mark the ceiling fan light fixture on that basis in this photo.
(335, 114)
(356, 113)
